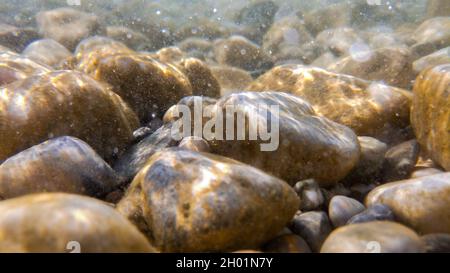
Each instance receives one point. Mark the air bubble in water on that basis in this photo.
(360, 52)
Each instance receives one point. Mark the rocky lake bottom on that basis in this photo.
(343, 143)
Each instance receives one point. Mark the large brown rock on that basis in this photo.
(339, 41)
(98, 43)
(430, 113)
(431, 35)
(57, 222)
(305, 146)
(240, 52)
(210, 203)
(63, 103)
(150, 87)
(422, 203)
(47, 52)
(373, 237)
(231, 79)
(15, 67)
(287, 32)
(202, 79)
(369, 108)
(392, 66)
(67, 26)
(64, 164)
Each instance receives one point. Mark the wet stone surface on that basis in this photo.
(64, 164)
(422, 203)
(211, 203)
(48, 222)
(63, 103)
(430, 113)
(373, 237)
(300, 113)
(369, 108)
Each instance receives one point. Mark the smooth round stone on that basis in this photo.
(313, 227)
(14, 67)
(63, 164)
(231, 79)
(170, 54)
(338, 40)
(48, 52)
(400, 161)
(51, 25)
(149, 86)
(342, 208)
(210, 203)
(240, 52)
(370, 162)
(437, 242)
(373, 237)
(305, 146)
(434, 59)
(289, 243)
(202, 80)
(54, 222)
(64, 103)
(369, 108)
(377, 212)
(421, 203)
(194, 144)
(433, 34)
(286, 32)
(392, 65)
(310, 195)
(430, 113)
(98, 43)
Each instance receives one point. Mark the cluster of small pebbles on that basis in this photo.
(89, 96)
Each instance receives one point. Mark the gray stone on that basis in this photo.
(342, 208)
(377, 212)
(313, 226)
